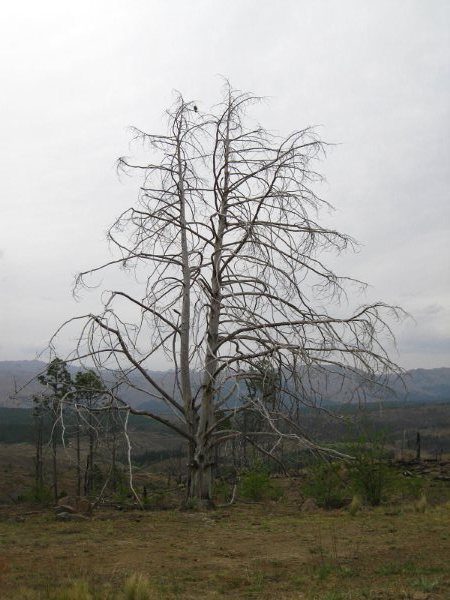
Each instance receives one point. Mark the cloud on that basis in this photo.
(376, 76)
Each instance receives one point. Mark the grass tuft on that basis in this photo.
(355, 505)
(77, 590)
(421, 505)
(138, 587)
(426, 585)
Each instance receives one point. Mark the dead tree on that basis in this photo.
(225, 239)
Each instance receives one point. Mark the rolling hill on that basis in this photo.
(18, 383)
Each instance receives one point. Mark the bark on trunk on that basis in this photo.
(89, 475)
(55, 469)
(201, 465)
(201, 477)
(39, 470)
(78, 457)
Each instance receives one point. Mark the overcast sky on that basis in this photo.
(373, 74)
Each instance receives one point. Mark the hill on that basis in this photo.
(18, 384)
(419, 385)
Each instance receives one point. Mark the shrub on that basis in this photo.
(157, 499)
(370, 472)
(326, 485)
(407, 488)
(123, 493)
(40, 494)
(222, 490)
(256, 485)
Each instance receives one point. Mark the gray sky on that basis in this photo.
(373, 74)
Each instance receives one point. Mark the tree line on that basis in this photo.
(75, 410)
(81, 411)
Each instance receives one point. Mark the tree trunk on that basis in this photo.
(91, 462)
(89, 475)
(39, 480)
(201, 465)
(200, 477)
(113, 418)
(86, 476)
(244, 439)
(113, 466)
(78, 457)
(55, 469)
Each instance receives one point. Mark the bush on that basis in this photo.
(370, 472)
(157, 499)
(40, 494)
(326, 485)
(222, 490)
(256, 485)
(123, 493)
(407, 488)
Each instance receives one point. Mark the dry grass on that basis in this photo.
(252, 551)
(260, 551)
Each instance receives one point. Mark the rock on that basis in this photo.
(74, 504)
(67, 516)
(62, 508)
(67, 501)
(309, 505)
(84, 506)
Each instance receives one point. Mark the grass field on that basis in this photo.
(269, 551)
(265, 550)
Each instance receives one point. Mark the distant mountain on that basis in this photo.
(14, 375)
(420, 385)
(18, 384)
(428, 385)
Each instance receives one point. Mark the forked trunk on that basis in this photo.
(200, 478)
(201, 463)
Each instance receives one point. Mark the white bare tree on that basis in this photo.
(225, 239)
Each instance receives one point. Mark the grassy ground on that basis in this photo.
(267, 551)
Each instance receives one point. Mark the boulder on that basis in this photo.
(83, 506)
(74, 504)
(309, 505)
(67, 501)
(62, 508)
(67, 516)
